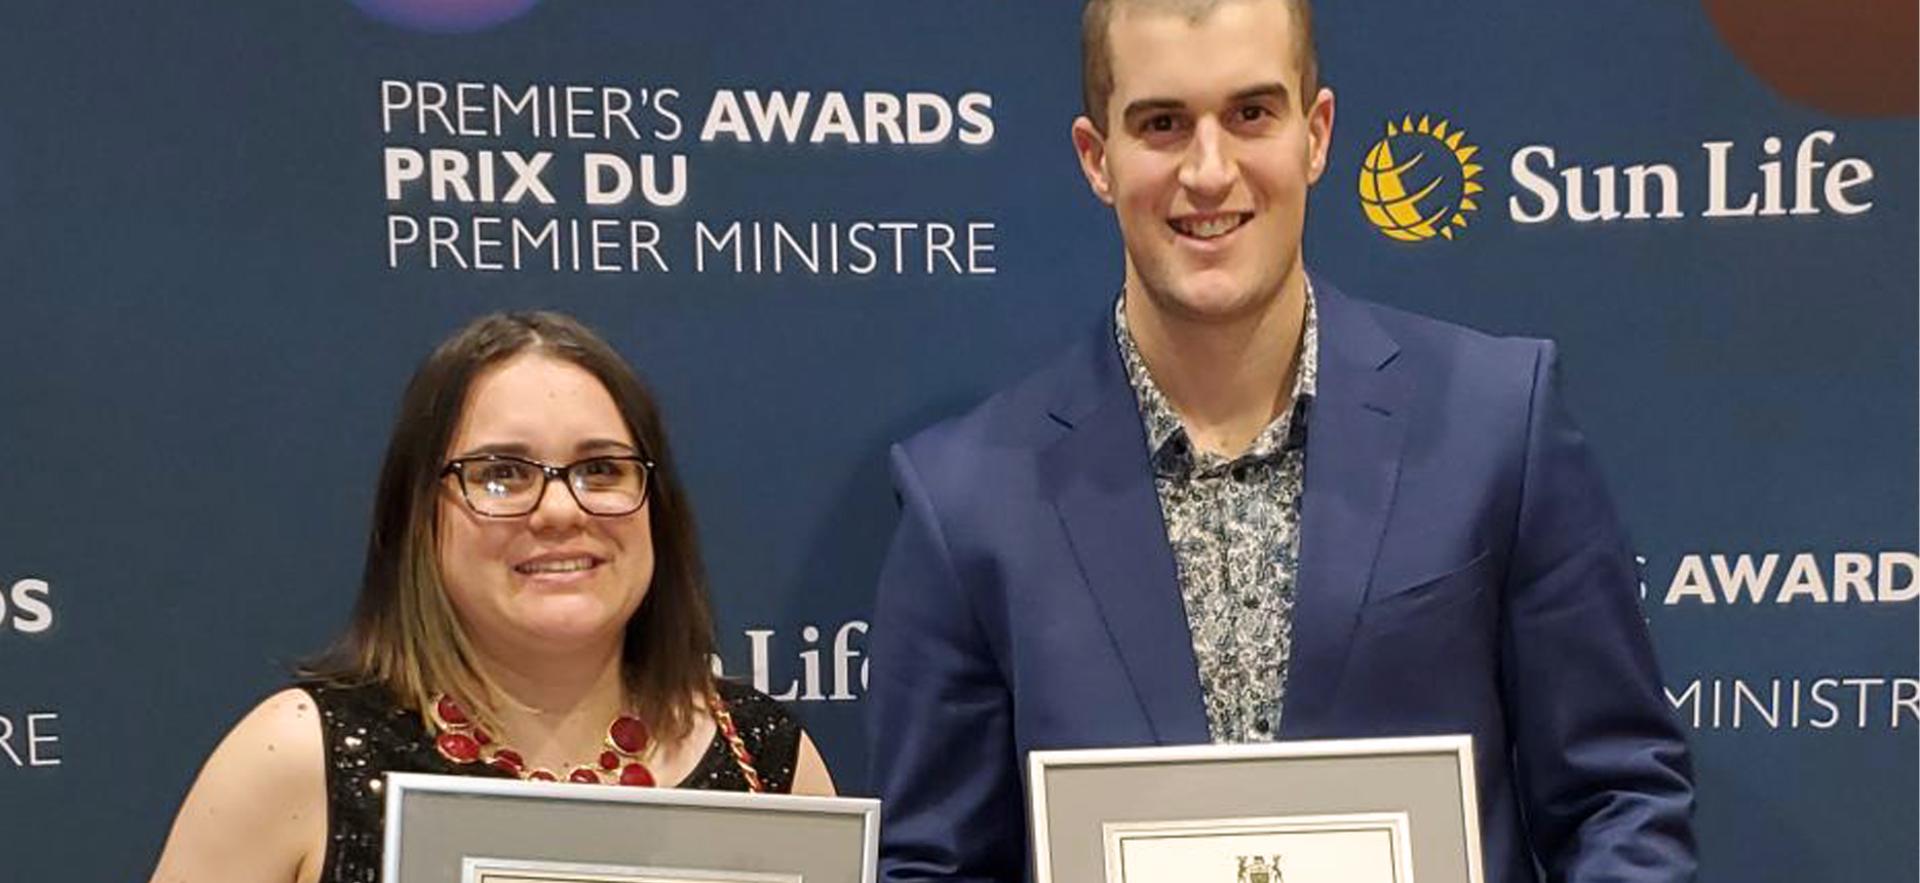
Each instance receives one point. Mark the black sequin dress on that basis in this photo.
(367, 736)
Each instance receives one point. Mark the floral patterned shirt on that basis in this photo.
(1234, 526)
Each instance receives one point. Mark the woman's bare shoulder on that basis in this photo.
(258, 809)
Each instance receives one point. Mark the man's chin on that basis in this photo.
(1213, 301)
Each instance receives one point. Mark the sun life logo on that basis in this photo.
(1418, 181)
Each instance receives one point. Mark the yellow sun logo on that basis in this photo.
(1436, 201)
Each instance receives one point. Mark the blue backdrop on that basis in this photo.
(211, 303)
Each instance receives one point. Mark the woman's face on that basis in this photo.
(557, 578)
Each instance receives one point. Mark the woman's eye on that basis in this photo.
(603, 473)
(502, 476)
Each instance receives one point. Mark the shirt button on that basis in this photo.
(1251, 602)
(1261, 726)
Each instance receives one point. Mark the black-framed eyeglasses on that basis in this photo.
(506, 486)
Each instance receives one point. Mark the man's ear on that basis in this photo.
(1319, 134)
(1091, 147)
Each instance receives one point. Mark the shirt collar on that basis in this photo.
(1167, 436)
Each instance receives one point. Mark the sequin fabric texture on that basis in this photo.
(367, 736)
(1234, 527)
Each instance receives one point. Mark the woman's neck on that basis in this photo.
(555, 710)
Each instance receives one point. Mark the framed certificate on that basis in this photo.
(1336, 811)
(458, 829)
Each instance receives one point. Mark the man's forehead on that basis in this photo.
(1191, 10)
(1155, 46)
(1196, 14)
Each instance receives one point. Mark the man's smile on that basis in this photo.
(1211, 225)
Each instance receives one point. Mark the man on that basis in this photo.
(1249, 507)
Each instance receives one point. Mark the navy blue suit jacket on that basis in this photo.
(1462, 571)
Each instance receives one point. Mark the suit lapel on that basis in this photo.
(1354, 440)
(1102, 487)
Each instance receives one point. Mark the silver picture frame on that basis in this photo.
(461, 829)
(1391, 810)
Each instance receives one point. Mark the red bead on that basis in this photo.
(457, 747)
(480, 736)
(628, 734)
(637, 776)
(541, 776)
(584, 776)
(609, 761)
(508, 767)
(509, 759)
(450, 711)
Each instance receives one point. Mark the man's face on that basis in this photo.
(1207, 156)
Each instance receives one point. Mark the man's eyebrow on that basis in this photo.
(1276, 91)
(1144, 105)
(1265, 90)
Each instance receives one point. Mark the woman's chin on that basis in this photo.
(569, 619)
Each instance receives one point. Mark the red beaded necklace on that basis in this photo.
(624, 761)
(462, 741)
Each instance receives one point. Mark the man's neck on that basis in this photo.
(1226, 379)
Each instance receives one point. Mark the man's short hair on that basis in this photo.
(1096, 51)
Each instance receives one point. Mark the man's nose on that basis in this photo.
(1209, 169)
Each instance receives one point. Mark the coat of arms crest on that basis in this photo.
(1260, 869)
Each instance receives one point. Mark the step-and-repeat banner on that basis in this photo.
(228, 231)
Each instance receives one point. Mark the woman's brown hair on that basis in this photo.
(403, 633)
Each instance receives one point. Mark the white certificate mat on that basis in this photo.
(498, 870)
(467, 829)
(1311, 811)
(1351, 848)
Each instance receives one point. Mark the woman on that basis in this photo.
(532, 606)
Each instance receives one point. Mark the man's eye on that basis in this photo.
(1253, 113)
(1158, 123)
